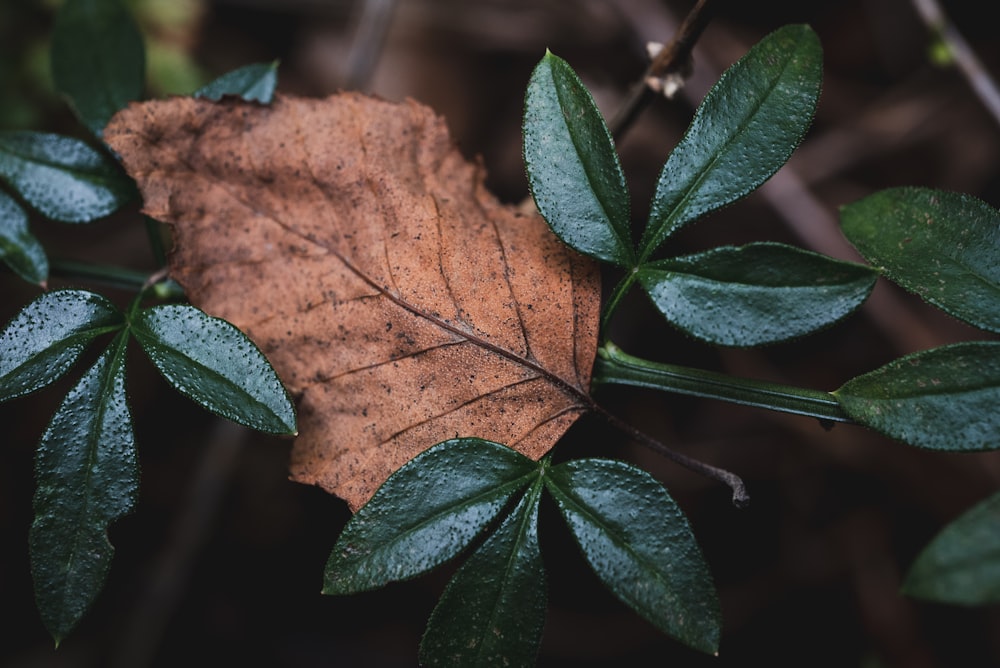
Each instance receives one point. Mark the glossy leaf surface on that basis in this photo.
(493, 610)
(63, 178)
(572, 166)
(745, 129)
(253, 83)
(962, 564)
(44, 340)
(87, 478)
(426, 513)
(19, 249)
(943, 246)
(755, 294)
(216, 365)
(640, 544)
(944, 399)
(98, 59)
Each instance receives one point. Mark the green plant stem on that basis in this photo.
(616, 296)
(615, 367)
(117, 277)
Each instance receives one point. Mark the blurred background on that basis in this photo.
(221, 562)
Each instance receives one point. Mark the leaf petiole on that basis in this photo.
(615, 367)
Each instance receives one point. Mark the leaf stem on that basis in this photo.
(117, 277)
(615, 367)
(616, 296)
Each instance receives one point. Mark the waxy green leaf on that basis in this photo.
(493, 610)
(943, 246)
(43, 341)
(98, 59)
(944, 399)
(216, 365)
(640, 544)
(87, 478)
(63, 178)
(253, 83)
(745, 129)
(425, 513)
(962, 564)
(755, 294)
(573, 169)
(19, 249)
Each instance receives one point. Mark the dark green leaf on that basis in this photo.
(943, 399)
(216, 365)
(62, 177)
(98, 60)
(573, 170)
(43, 341)
(943, 246)
(426, 513)
(19, 249)
(253, 83)
(87, 478)
(639, 543)
(755, 294)
(962, 564)
(746, 128)
(493, 610)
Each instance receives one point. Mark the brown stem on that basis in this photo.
(740, 496)
(673, 59)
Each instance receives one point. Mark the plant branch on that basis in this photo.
(965, 58)
(673, 62)
(614, 367)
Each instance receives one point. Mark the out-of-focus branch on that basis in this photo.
(666, 73)
(965, 58)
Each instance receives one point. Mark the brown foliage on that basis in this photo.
(398, 300)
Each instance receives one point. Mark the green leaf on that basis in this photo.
(493, 610)
(745, 129)
(45, 339)
(640, 544)
(63, 178)
(19, 249)
(98, 60)
(962, 564)
(87, 478)
(942, 246)
(943, 399)
(253, 83)
(573, 170)
(755, 294)
(425, 513)
(212, 362)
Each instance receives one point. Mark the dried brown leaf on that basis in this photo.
(399, 301)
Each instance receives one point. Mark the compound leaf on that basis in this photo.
(98, 59)
(755, 294)
(745, 129)
(253, 83)
(216, 365)
(942, 246)
(493, 610)
(426, 513)
(573, 169)
(962, 564)
(43, 341)
(87, 478)
(19, 249)
(942, 399)
(640, 544)
(63, 178)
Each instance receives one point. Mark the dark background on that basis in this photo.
(221, 562)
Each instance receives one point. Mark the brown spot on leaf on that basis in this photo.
(354, 221)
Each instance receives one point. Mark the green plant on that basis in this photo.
(472, 495)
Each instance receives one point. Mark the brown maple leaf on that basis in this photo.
(398, 300)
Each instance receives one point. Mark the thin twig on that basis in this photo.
(740, 496)
(674, 59)
(965, 58)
